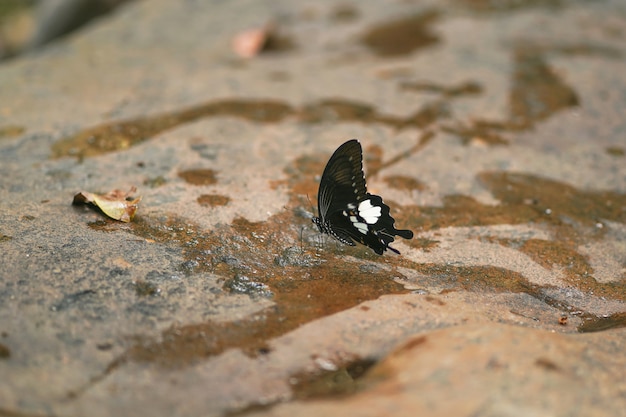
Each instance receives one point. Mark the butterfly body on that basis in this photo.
(347, 211)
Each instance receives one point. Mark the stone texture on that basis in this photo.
(489, 370)
(494, 132)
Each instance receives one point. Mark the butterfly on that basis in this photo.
(347, 211)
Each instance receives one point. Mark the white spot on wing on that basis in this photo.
(361, 227)
(368, 212)
(365, 204)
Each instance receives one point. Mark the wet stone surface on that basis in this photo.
(493, 131)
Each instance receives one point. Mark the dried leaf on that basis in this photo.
(250, 42)
(116, 204)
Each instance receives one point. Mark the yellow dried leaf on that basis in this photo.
(116, 204)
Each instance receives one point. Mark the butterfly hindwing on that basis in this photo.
(369, 223)
(347, 211)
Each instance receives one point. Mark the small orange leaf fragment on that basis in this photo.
(116, 204)
(250, 42)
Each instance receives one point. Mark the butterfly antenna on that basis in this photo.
(311, 204)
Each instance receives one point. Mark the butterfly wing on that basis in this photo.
(369, 223)
(347, 211)
(343, 180)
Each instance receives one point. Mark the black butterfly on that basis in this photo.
(347, 211)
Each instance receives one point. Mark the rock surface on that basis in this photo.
(493, 130)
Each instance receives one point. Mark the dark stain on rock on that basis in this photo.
(373, 158)
(277, 42)
(537, 91)
(555, 202)
(488, 6)
(489, 279)
(5, 238)
(547, 364)
(213, 200)
(103, 225)
(601, 323)
(5, 352)
(583, 49)
(572, 215)
(563, 255)
(401, 182)
(423, 244)
(144, 288)
(11, 131)
(117, 136)
(343, 13)
(335, 110)
(482, 278)
(476, 134)
(615, 151)
(402, 36)
(73, 299)
(323, 290)
(458, 211)
(104, 346)
(469, 88)
(155, 182)
(434, 300)
(199, 176)
(340, 110)
(424, 117)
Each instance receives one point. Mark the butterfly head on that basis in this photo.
(318, 222)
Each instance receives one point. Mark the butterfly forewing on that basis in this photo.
(342, 181)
